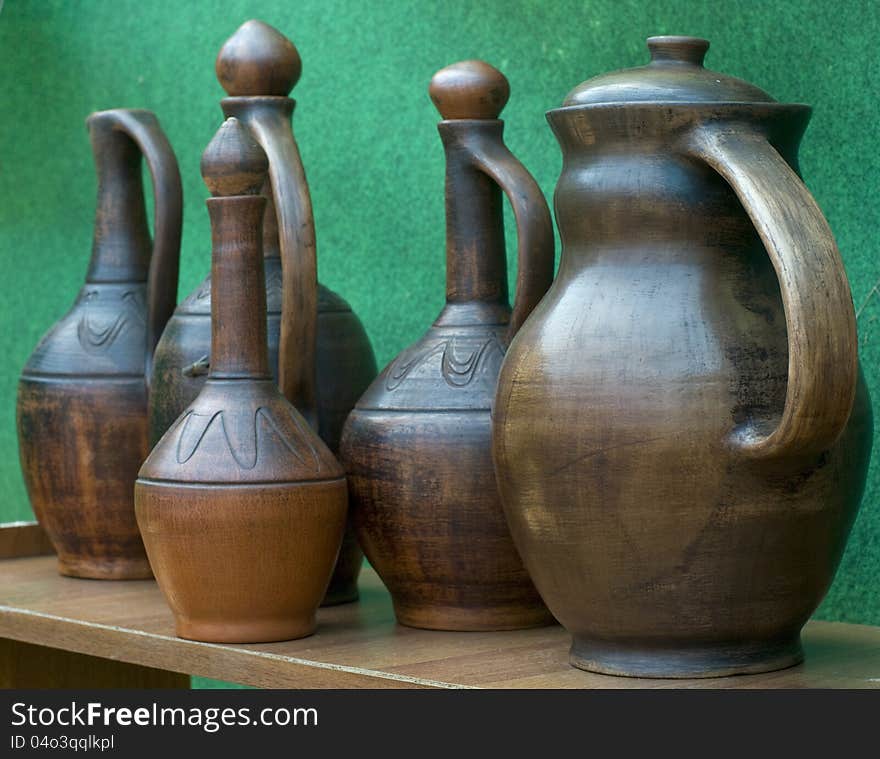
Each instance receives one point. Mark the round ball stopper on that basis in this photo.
(258, 60)
(233, 163)
(469, 90)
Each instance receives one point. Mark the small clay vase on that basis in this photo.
(82, 397)
(417, 447)
(241, 505)
(330, 362)
(682, 433)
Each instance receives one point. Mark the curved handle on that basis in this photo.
(143, 128)
(822, 340)
(534, 226)
(268, 118)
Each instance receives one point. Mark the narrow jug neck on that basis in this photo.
(238, 291)
(121, 243)
(476, 263)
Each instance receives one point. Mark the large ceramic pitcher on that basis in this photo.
(681, 432)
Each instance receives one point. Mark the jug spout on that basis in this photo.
(470, 96)
(122, 250)
(121, 243)
(476, 266)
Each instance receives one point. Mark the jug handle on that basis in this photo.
(143, 128)
(819, 315)
(534, 226)
(269, 123)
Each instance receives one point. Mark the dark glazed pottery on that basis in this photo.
(82, 397)
(681, 431)
(417, 445)
(241, 505)
(332, 361)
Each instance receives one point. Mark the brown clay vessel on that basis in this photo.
(417, 445)
(329, 361)
(82, 397)
(241, 505)
(681, 430)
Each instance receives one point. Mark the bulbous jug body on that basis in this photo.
(82, 396)
(417, 446)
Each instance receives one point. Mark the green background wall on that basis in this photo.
(366, 129)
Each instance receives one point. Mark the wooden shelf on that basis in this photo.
(356, 646)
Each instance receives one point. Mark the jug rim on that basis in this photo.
(679, 105)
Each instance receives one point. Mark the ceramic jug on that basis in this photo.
(681, 430)
(82, 396)
(417, 446)
(241, 505)
(329, 358)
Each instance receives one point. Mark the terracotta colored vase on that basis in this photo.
(241, 505)
(681, 431)
(417, 447)
(82, 397)
(333, 362)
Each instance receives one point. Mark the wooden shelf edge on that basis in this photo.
(128, 626)
(260, 669)
(21, 539)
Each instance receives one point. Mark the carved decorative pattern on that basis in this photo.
(97, 335)
(456, 371)
(243, 432)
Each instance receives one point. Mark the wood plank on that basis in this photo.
(24, 665)
(19, 539)
(360, 645)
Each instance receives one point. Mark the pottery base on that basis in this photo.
(343, 587)
(137, 568)
(341, 593)
(687, 662)
(461, 619)
(246, 631)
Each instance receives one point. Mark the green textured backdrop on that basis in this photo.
(366, 129)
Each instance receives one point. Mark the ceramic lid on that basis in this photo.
(674, 75)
